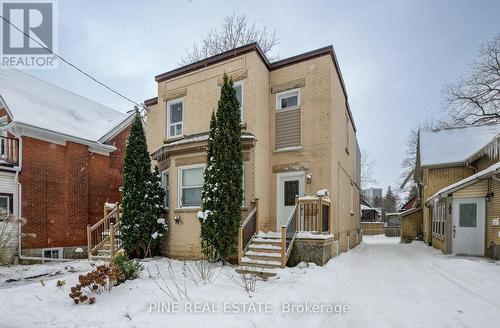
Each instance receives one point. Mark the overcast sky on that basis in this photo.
(395, 55)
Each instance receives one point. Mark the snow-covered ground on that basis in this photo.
(384, 283)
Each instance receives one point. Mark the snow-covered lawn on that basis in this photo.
(385, 284)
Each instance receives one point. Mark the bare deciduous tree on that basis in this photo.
(475, 99)
(235, 31)
(367, 177)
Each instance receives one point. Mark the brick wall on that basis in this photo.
(64, 188)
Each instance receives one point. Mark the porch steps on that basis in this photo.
(263, 255)
(259, 272)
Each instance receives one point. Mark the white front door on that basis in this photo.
(290, 184)
(468, 226)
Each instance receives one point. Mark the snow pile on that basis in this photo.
(41, 104)
(454, 145)
(385, 284)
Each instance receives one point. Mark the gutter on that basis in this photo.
(17, 129)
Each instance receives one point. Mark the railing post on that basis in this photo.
(117, 212)
(89, 241)
(319, 219)
(112, 240)
(240, 244)
(257, 215)
(283, 247)
(297, 215)
(105, 210)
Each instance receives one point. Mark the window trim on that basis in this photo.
(167, 171)
(438, 219)
(59, 249)
(283, 94)
(168, 124)
(240, 84)
(179, 184)
(4, 118)
(10, 202)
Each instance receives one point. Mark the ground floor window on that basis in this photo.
(438, 216)
(5, 206)
(164, 183)
(190, 185)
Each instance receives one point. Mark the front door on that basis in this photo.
(290, 184)
(468, 226)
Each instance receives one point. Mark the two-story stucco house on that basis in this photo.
(299, 138)
(458, 173)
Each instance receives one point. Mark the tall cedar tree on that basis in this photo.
(228, 163)
(154, 225)
(138, 222)
(209, 194)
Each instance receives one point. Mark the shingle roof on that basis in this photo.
(38, 103)
(454, 146)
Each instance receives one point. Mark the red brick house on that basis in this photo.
(61, 159)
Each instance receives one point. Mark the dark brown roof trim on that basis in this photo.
(270, 66)
(152, 101)
(213, 60)
(304, 56)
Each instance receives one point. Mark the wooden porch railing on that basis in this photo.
(288, 233)
(9, 150)
(105, 230)
(247, 229)
(314, 214)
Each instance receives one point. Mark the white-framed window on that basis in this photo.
(3, 121)
(52, 253)
(164, 183)
(289, 99)
(5, 206)
(190, 185)
(175, 117)
(438, 219)
(238, 87)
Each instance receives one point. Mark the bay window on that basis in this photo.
(190, 185)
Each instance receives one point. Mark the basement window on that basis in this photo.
(52, 253)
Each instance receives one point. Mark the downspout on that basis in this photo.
(467, 165)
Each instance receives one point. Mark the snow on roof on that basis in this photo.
(481, 175)
(38, 103)
(450, 146)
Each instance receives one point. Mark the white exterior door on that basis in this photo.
(290, 184)
(468, 226)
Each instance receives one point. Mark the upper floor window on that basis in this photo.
(3, 121)
(238, 87)
(175, 115)
(190, 185)
(289, 99)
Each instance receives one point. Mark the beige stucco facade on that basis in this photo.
(323, 153)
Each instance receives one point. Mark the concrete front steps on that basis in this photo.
(263, 256)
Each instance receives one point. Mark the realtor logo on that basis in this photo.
(28, 32)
